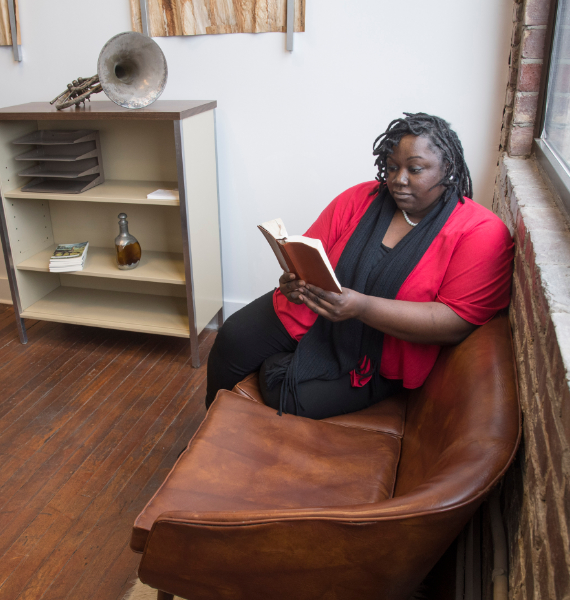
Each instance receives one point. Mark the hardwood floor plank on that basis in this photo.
(113, 357)
(103, 536)
(56, 530)
(70, 506)
(45, 447)
(122, 499)
(43, 381)
(12, 348)
(30, 436)
(113, 491)
(58, 453)
(35, 357)
(90, 363)
(91, 422)
(86, 448)
(123, 574)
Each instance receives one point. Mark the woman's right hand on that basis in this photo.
(291, 287)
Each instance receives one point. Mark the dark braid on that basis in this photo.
(457, 179)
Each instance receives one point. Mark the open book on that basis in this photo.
(301, 255)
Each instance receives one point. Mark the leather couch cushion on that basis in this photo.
(283, 462)
(387, 416)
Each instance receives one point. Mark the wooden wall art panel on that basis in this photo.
(5, 34)
(199, 17)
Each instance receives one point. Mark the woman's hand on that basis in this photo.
(332, 306)
(291, 287)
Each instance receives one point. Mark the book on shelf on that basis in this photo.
(68, 257)
(304, 256)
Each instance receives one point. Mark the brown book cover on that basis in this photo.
(301, 255)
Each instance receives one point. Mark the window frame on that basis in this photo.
(558, 174)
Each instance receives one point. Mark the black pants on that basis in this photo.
(254, 335)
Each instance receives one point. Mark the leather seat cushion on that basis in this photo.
(283, 462)
(387, 416)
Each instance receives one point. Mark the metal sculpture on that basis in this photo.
(77, 92)
(131, 70)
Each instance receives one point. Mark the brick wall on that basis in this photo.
(536, 491)
(526, 59)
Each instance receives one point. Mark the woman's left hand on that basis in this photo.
(332, 306)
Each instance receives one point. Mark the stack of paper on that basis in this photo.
(68, 257)
(163, 195)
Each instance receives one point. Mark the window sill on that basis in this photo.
(540, 309)
(555, 175)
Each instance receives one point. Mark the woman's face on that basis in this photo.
(414, 170)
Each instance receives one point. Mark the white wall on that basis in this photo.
(295, 129)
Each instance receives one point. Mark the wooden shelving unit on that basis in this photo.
(177, 288)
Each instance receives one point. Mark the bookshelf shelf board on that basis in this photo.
(164, 315)
(157, 267)
(114, 191)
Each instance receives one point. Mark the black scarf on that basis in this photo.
(330, 350)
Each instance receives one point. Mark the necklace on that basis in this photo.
(410, 223)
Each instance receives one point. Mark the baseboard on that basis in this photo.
(5, 296)
(230, 307)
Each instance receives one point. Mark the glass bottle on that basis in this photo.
(127, 246)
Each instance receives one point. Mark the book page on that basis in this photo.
(274, 245)
(276, 228)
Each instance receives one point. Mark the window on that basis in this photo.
(553, 146)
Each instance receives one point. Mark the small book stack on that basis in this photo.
(68, 257)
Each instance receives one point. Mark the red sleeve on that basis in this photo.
(321, 228)
(477, 282)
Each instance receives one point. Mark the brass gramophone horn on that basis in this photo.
(131, 70)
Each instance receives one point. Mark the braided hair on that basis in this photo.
(456, 180)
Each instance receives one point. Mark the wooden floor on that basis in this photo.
(91, 421)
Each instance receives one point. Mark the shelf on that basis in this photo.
(157, 267)
(54, 137)
(114, 191)
(164, 315)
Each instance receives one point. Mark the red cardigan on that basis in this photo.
(468, 267)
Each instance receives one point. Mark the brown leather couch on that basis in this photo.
(262, 507)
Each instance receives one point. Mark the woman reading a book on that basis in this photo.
(421, 265)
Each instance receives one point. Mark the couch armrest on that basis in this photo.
(304, 554)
